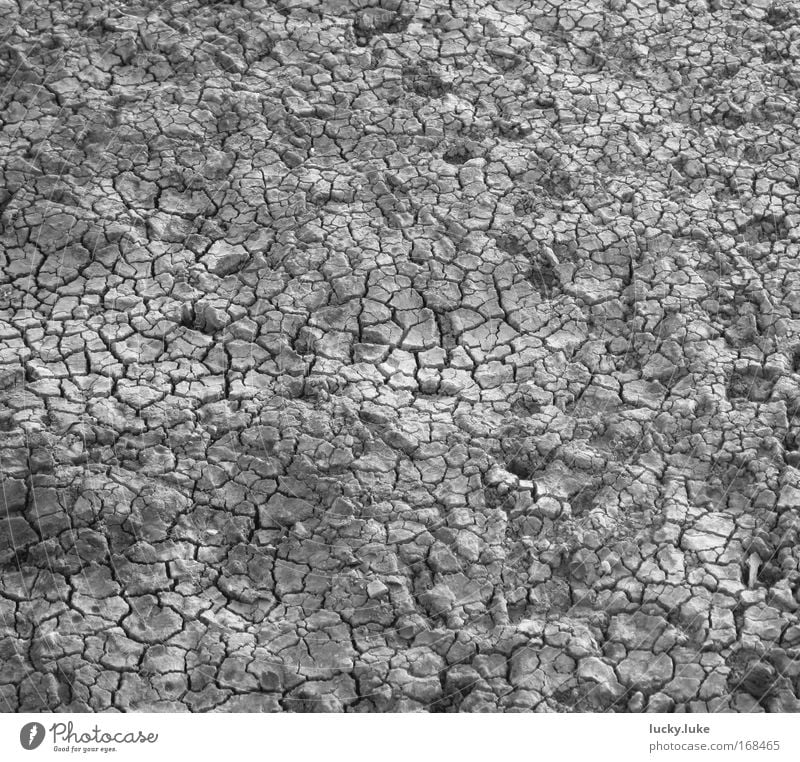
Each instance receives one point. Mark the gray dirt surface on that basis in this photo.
(399, 355)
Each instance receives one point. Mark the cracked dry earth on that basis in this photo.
(399, 355)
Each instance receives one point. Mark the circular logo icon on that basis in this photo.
(31, 735)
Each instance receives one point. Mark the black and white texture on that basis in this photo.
(399, 355)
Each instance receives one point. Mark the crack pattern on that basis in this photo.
(399, 355)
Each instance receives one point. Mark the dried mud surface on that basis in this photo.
(399, 355)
